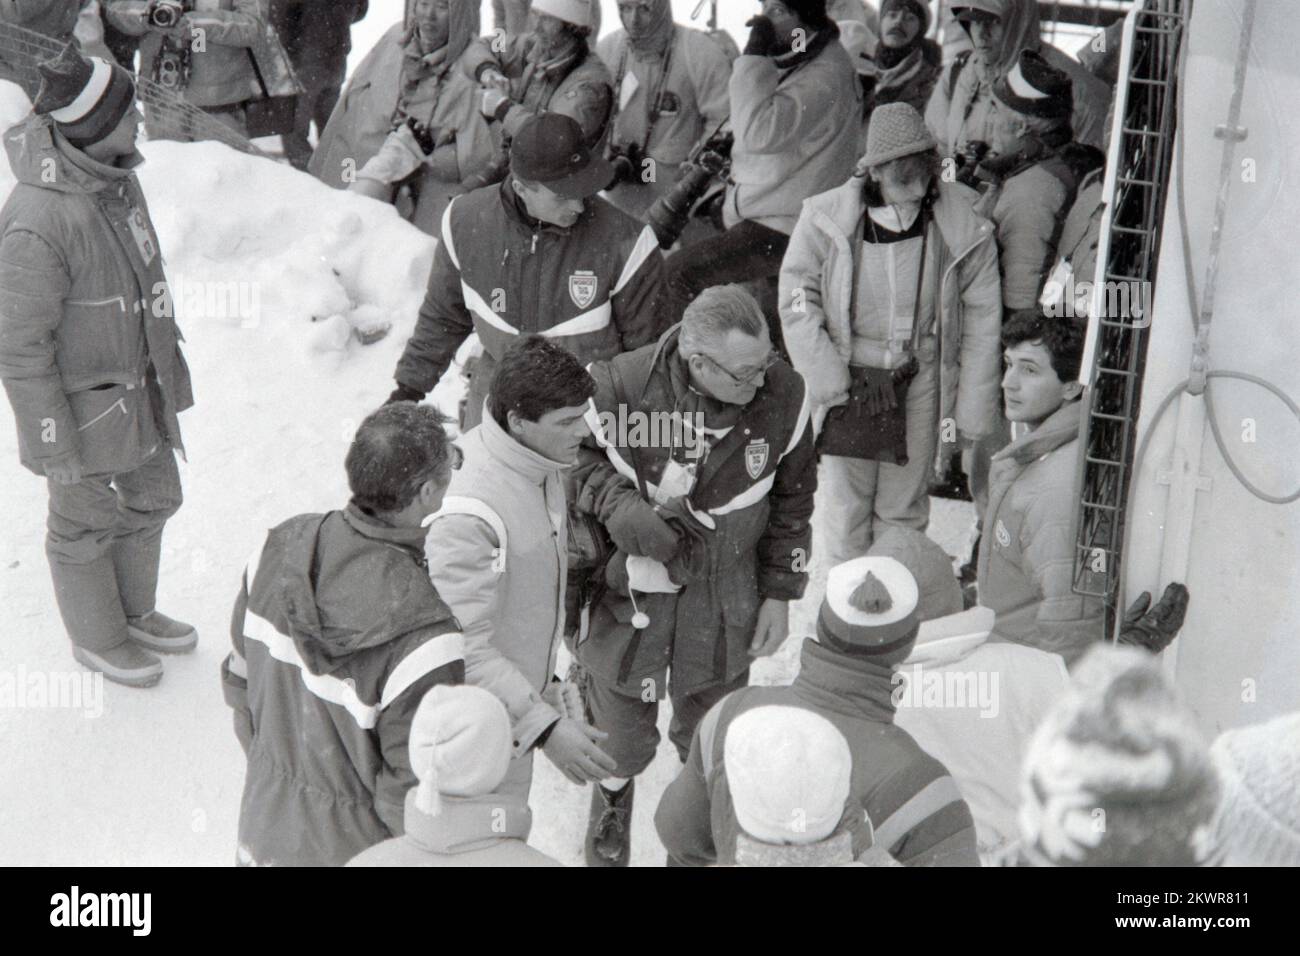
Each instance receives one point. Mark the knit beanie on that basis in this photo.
(1259, 772)
(895, 130)
(929, 564)
(86, 97)
(869, 611)
(1036, 88)
(459, 744)
(1117, 773)
(788, 770)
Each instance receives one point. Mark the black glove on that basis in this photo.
(762, 37)
(404, 393)
(1155, 629)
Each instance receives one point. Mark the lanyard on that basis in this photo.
(652, 110)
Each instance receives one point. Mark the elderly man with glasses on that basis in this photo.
(701, 468)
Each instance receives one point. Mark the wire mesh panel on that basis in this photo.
(1144, 152)
(167, 116)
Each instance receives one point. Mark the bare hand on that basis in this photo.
(572, 748)
(496, 80)
(66, 472)
(772, 630)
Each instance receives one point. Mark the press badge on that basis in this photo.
(140, 232)
(677, 480)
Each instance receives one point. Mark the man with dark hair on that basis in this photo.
(497, 552)
(90, 358)
(710, 517)
(1026, 559)
(337, 635)
(540, 253)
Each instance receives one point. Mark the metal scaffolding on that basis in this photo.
(1142, 161)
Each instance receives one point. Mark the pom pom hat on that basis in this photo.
(869, 610)
(86, 97)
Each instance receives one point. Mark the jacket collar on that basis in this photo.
(1061, 426)
(33, 144)
(858, 688)
(516, 457)
(821, 39)
(468, 823)
(377, 529)
(835, 850)
(839, 213)
(517, 213)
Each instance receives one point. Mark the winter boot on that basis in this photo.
(124, 664)
(609, 828)
(160, 633)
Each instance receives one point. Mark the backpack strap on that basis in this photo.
(954, 71)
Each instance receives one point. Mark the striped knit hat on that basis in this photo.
(86, 97)
(1117, 774)
(1036, 88)
(1259, 770)
(869, 610)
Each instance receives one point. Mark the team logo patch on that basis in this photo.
(1002, 535)
(756, 458)
(582, 288)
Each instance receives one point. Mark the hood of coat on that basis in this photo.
(462, 29)
(322, 644)
(952, 638)
(839, 212)
(1063, 425)
(40, 156)
(464, 824)
(1020, 31)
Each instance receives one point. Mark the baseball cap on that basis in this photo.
(549, 149)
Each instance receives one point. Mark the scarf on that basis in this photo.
(821, 39)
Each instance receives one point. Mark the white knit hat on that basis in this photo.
(788, 770)
(577, 12)
(1259, 814)
(459, 744)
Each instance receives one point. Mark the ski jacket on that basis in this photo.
(798, 132)
(337, 636)
(901, 799)
(89, 351)
(468, 831)
(1028, 209)
(816, 301)
(497, 553)
(756, 485)
(497, 272)
(1026, 560)
(222, 73)
(578, 86)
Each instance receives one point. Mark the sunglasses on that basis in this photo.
(738, 378)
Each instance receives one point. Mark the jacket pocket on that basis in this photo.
(97, 340)
(111, 434)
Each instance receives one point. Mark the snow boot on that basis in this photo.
(609, 828)
(125, 664)
(160, 633)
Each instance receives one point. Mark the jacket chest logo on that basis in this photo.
(756, 453)
(1002, 535)
(582, 288)
(140, 233)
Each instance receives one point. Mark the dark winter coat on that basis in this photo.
(317, 35)
(577, 86)
(592, 286)
(1026, 560)
(1028, 209)
(756, 484)
(912, 804)
(222, 73)
(89, 351)
(337, 635)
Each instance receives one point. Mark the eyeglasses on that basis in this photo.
(738, 379)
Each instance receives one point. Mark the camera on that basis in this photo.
(627, 160)
(968, 162)
(165, 14)
(670, 214)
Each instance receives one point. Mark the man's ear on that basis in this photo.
(1071, 390)
(514, 423)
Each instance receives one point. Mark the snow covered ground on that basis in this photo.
(271, 271)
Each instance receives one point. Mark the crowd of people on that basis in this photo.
(845, 306)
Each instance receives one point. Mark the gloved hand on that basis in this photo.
(636, 528)
(1155, 629)
(404, 393)
(494, 104)
(762, 37)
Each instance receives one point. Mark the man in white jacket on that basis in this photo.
(497, 553)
